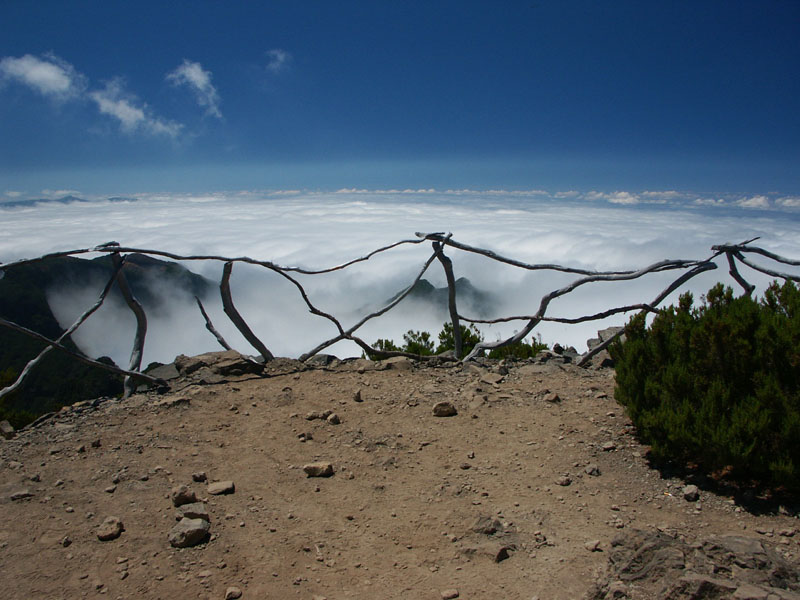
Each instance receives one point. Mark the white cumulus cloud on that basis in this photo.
(278, 60)
(754, 202)
(132, 115)
(48, 75)
(193, 75)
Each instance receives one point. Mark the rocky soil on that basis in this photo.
(339, 480)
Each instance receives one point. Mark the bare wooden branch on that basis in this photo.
(235, 317)
(447, 240)
(767, 271)
(743, 247)
(114, 247)
(566, 320)
(79, 356)
(734, 272)
(141, 323)
(547, 298)
(447, 264)
(348, 334)
(210, 325)
(46, 350)
(701, 268)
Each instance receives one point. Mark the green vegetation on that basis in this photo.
(718, 386)
(421, 343)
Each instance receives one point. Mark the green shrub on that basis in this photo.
(418, 342)
(469, 337)
(719, 385)
(520, 350)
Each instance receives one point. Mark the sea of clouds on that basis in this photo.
(600, 231)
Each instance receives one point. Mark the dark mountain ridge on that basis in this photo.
(59, 379)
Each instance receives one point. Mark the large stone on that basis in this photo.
(110, 529)
(225, 363)
(444, 409)
(398, 363)
(318, 469)
(188, 532)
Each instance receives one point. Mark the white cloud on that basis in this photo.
(48, 75)
(13, 193)
(754, 202)
(47, 193)
(623, 198)
(789, 201)
(292, 229)
(278, 60)
(112, 100)
(198, 79)
(612, 197)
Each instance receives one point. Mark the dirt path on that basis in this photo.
(407, 514)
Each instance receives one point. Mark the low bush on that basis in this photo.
(718, 385)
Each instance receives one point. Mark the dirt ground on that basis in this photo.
(517, 496)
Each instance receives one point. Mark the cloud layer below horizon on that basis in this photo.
(320, 230)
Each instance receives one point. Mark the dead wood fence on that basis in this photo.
(735, 254)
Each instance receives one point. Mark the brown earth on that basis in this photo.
(494, 502)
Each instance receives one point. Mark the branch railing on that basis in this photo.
(688, 269)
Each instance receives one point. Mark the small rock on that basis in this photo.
(21, 495)
(502, 554)
(492, 378)
(691, 493)
(110, 489)
(221, 487)
(487, 525)
(444, 409)
(318, 469)
(592, 545)
(65, 541)
(199, 477)
(564, 480)
(7, 430)
(195, 510)
(182, 495)
(450, 594)
(232, 593)
(188, 532)
(95, 443)
(110, 529)
(552, 398)
(609, 446)
(333, 419)
(357, 396)
(592, 470)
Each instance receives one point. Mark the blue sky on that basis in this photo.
(132, 97)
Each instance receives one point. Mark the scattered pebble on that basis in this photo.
(110, 529)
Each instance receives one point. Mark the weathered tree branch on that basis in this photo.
(447, 264)
(767, 271)
(235, 317)
(79, 356)
(210, 325)
(734, 272)
(701, 268)
(141, 323)
(348, 334)
(547, 298)
(46, 350)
